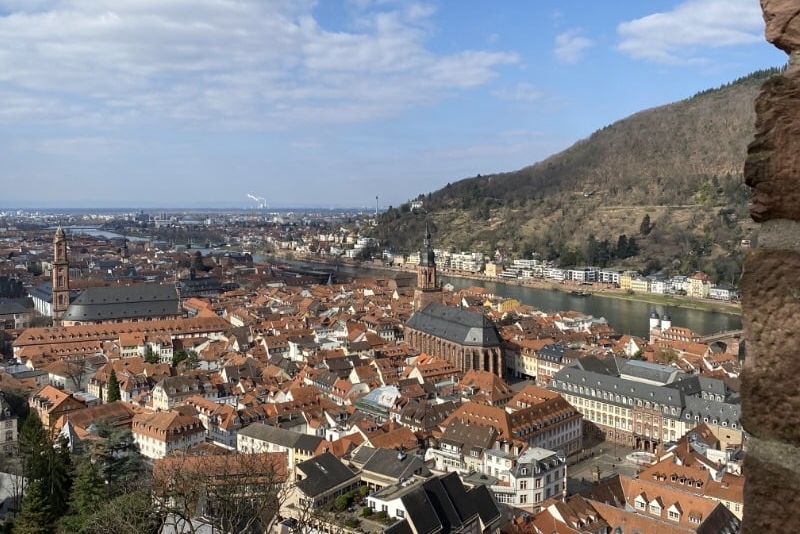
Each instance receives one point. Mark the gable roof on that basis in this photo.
(281, 436)
(458, 325)
(322, 473)
(124, 302)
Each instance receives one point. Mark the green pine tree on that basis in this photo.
(33, 445)
(36, 515)
(118, 460)
(113, 387)
(58, 483)
(87, 496)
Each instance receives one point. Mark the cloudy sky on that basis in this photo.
(330, 103)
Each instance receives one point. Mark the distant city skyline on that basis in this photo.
(328, 104)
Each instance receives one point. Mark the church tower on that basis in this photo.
(60, 276)
(427, 287)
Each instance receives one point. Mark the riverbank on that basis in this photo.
(598, 290)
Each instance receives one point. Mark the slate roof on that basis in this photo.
(390, 463)
(44, 292)
(323, 473)
(481, 500)
(8, 307)
(124, 302)
(684, 394)
(465, 327)
(420, 511)
(281, 436)
(655, 372)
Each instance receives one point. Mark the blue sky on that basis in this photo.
(188, 103)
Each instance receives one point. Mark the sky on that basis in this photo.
(332, 103)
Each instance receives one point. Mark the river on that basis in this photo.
(624, 316)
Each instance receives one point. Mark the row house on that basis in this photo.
(583, 275)
(549, 423)
(466, 261)
(385, 327)
(555, 273)
(609, 276)
(221, 421)
(50, 403)
(521, 356)
(699, 285)
(639, 284)
(723, 292)
(174, 390)
(550, 359)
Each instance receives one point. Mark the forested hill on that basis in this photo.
(668, 177)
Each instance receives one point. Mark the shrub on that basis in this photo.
(366, 511)
(341, 502)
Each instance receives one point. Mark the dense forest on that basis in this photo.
(661, 190)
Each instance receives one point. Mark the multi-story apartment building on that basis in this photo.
(641, 404)
(161, 433)
(8, 428)
(538, 475)
(476, 435)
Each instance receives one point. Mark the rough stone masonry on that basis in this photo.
(771, 290)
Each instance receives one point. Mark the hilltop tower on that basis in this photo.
(60, 275)
(428, 289)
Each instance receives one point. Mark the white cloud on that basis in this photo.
(570, 46)
(227, 64)
(677, 36)
(525, 92)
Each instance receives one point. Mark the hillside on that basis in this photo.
(679, 164)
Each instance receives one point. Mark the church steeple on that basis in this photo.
(426, 268)
(427, 285)
(60, 280)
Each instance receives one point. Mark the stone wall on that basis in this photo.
(771, 290)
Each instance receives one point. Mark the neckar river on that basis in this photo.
(624, 316)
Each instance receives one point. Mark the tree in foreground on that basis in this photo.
(130, 513)
(88, 495)
(36, 516)
(46, 463)
(234, 493)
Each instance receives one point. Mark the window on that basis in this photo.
(523, 484)
(523, 498)
(400, 513)
(674, 515)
